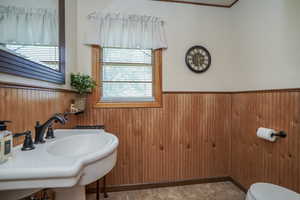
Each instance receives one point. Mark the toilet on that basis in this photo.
(267, 191)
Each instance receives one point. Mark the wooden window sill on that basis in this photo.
(155, 104)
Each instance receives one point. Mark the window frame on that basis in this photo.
(19, 66)
(97, 76)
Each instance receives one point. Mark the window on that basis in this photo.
(127, 77)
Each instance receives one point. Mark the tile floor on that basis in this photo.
(209, 191)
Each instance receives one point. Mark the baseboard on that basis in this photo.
(239, 185)
(127, 187)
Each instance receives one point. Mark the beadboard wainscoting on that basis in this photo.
(24, 105)
(192, 136)
(257, 160)
(187, 138)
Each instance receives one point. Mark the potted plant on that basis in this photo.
(83, 84)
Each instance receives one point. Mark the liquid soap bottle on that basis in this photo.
(6, 142)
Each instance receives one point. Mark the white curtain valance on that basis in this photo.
(126, 31)
(28, 26)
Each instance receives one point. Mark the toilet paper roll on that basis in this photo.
(266, 134)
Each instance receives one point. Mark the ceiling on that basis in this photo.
(218, 3)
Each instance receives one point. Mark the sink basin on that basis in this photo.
(72, 160)
(77, 146)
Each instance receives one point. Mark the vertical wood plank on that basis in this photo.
(253, 159)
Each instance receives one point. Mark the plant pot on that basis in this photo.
(80, 102)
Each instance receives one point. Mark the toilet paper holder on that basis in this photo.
(281, 134)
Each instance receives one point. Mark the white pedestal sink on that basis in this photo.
(67, 163)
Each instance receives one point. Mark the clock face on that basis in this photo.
(198, 59)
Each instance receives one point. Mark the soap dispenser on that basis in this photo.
(6, 142)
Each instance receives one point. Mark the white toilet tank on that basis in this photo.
(267, 191)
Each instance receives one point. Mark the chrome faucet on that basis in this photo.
(40, 129)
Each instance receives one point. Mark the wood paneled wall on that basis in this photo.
(254, 159)
(194, 135)
(187, 138)
(25, 106)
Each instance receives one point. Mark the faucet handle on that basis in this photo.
(28, 142)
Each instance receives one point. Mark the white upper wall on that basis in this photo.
(185, 26)
(254, 45)
(267, 44)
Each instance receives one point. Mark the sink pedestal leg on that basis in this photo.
(73, 193)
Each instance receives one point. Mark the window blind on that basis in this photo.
(127, 75)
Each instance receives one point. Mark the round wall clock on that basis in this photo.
(198, 59)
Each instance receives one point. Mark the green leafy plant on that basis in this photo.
(82, 83)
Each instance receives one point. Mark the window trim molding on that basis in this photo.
(157, 82)
(19, 66)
